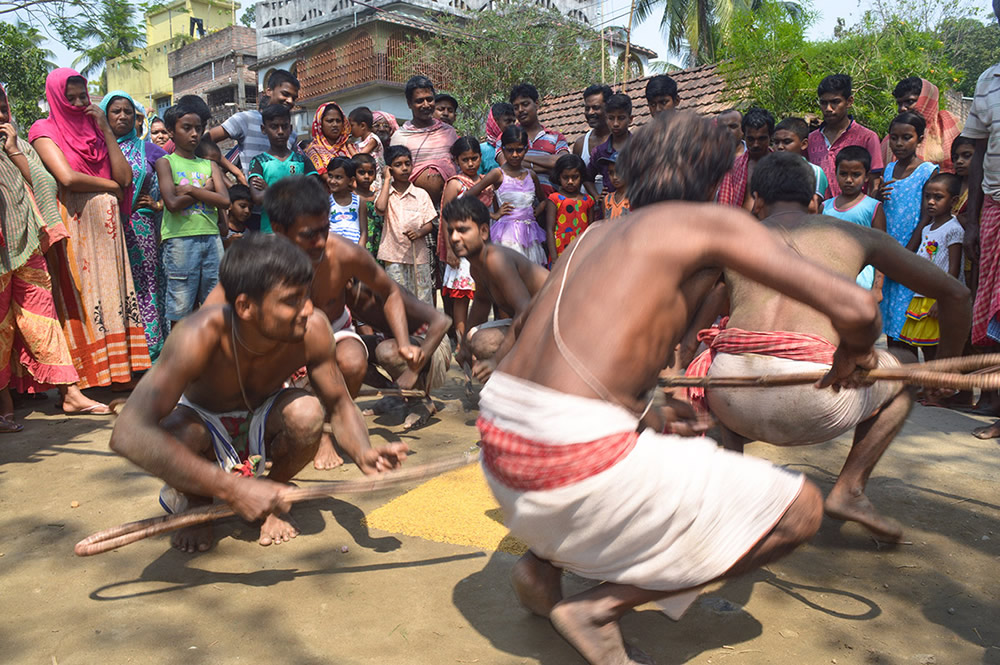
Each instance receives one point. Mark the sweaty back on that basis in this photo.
(823, 240)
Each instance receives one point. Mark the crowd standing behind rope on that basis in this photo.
(116, 220)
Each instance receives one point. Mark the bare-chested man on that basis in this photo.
(215, 402)
(299, 209)
(651, 516)
(504, 278)
(788, 337)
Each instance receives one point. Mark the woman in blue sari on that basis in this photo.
(141, 212)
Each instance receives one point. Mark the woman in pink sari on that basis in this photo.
(92, 281)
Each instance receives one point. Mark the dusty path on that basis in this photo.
(394, 599)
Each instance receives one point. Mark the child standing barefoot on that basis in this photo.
(938, 238)
(409, 216)
(518, 187)
(458, 287)
(901, 198)
(567, 211)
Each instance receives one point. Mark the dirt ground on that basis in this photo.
(394, 599)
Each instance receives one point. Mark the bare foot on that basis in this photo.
(598, 642)
(420, 413)
(843, 505)
(326, 457)
(384, 406)
(987, 432)
(276, 530)
(194, 538)
(74, 401)
(537, 584)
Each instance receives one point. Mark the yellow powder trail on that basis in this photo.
(456, 508)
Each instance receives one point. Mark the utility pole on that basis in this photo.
(604, 47)
(628, 44)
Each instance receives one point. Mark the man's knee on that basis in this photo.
(352, 359)
(302, 421)
(803, 518)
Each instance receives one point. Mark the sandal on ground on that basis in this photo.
(8, 426)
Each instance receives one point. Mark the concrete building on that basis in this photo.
(218, 67)
(345, 50)
(167, 28)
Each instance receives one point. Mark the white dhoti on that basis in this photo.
(671, 514)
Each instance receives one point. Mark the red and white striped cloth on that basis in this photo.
(779, 344)
(526, 465)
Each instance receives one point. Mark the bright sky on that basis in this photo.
(646, 34)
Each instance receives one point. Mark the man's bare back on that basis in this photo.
(497, 270)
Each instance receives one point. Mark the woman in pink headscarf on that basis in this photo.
(92, 282)
(384, 125)
(330, 135)
(923, 97)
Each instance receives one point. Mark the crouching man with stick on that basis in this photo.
(214, 407)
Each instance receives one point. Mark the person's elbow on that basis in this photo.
(172, 204)
(955, 295)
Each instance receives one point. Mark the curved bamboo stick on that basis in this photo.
(122, 535)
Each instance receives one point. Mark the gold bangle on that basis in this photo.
(15, 154)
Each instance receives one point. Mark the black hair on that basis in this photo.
(281, 76)
(838, 84)
(363, 158)
(361, 115)
(465, 144)
(524, 90)
(675, 156)
(342, 163)
(908, 86)
(513, 134)
(959, 142)
(501, 109)
(854, 153)
(911, 118)
(618, 102)
(466, 207)
(156, 119)
(239, 192)
(415, 83)
(756, 117)
(116, 97)
(394, 152)
(274, 112)
(730, 110)
(602, 89)
(178, 111)
(445, 97)
(796, 126)
(565, 162)
(206, 147)
(77, 80)
(260, 262)
(199, 104)
(951, 182)
(783, 177)
(295, 196)
(660, 85)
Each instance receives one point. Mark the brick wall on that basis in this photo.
(212, 47)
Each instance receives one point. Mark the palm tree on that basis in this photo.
(109, 32)
(696, 26)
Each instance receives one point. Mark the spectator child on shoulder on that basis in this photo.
(568, 211)
(192, 189)
(348, 214)
(278, 161)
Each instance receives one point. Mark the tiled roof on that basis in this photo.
(701, 89)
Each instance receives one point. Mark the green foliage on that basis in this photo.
(110, 30)
(772, 65)
(478, 61)
(23, 67)
(249, 18)
(972, 47)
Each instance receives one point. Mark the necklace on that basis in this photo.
(236, 360)
(236, 334)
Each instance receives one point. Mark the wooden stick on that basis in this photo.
(122, 535)
(391, 392)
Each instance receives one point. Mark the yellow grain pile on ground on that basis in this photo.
(455, 508)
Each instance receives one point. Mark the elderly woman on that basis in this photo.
(34, 356)
(94, 291)
(141, 212)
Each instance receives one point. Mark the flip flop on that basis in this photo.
(8, 426)
(92, 410)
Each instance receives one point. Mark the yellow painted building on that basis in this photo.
(167, 29)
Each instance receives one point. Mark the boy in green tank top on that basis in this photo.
(192, 189)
